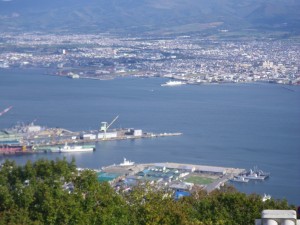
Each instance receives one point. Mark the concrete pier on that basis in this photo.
(47, 139)
(172, 175)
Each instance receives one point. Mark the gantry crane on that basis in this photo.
(5, 111)
(104, 126)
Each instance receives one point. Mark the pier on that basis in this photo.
(35, 139)
(171, 176)
(91, 139)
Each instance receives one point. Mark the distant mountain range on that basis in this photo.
(149, 16)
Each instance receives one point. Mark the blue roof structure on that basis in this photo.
(179, 194)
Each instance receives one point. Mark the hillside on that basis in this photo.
(132, 16)
(54, 192)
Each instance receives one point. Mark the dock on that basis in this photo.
(171, 176)
(79, 140)
(31, 138)
(43, 140)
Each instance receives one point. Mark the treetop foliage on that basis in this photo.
(54, 192)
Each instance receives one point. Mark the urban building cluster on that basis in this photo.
(190, 58)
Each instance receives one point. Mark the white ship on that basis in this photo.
(254, 176)
(240, 179)
(76, 148)
(126, 163)
(173, 83)
(266, 197)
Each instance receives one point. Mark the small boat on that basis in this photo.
(126, 163)
(173, 83)
(241, 179)
(76, 148)
(266, 197)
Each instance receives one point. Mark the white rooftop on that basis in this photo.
(282, 214)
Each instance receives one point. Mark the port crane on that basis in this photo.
(105, 126)
(5, 111)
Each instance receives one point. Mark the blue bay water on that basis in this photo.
(232, 125)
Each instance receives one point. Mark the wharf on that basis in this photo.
(125, 137)
(175, 176)
(32, 138)
(40, 143)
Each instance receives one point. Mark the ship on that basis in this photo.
(241, 179)
(173, 83)
(260, 172)
(252, 175)
(256, 174)
(76, 148)
(7, 149)
(126, 163)
(266, 197)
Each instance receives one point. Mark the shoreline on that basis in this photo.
(44, 71)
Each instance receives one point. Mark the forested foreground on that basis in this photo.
(35, 194)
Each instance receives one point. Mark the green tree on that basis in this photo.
(34, 194)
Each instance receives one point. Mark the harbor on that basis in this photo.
(216, 131)
(179, 178)
(31, 138)
(176, 177)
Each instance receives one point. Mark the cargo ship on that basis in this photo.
(7, 149)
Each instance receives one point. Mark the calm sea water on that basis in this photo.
(233, 125)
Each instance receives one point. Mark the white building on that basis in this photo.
(278, 217)
(107, 135)
(137, 133)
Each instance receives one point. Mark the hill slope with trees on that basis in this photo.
(36, 193)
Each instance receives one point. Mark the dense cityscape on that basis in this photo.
(150, 112)
(192, 59)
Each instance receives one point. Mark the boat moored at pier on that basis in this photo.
(173, 83)
(241, 179)
(126, 163)
(7, 149)
(76, 148)
(256, 174)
